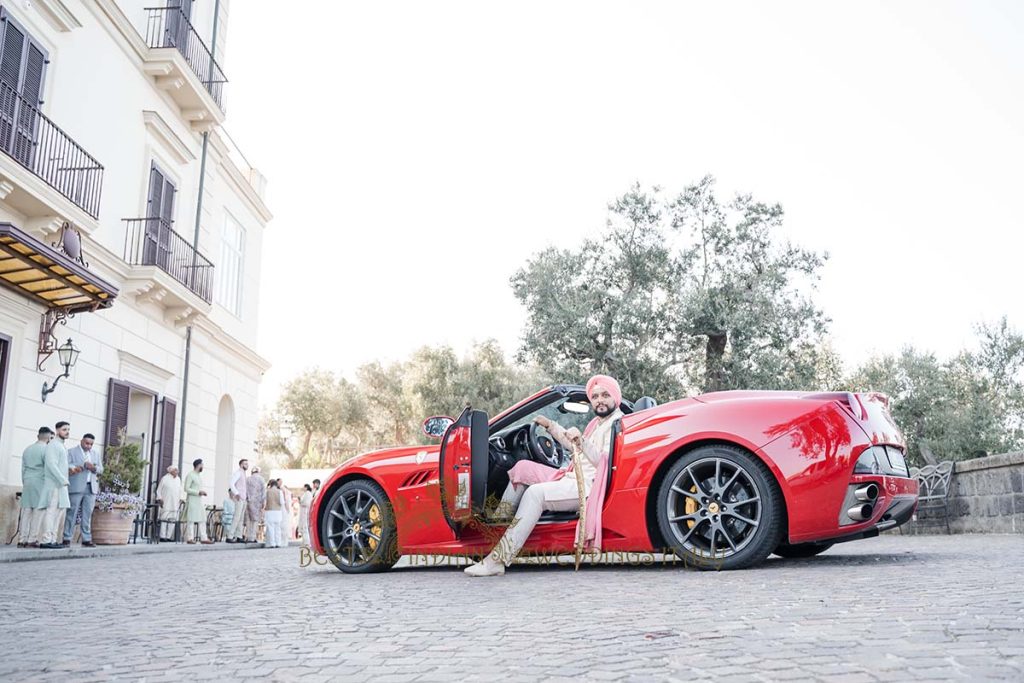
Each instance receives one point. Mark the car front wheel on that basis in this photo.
(358, 528)
(720, 508)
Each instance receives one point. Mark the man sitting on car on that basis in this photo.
(534, 488)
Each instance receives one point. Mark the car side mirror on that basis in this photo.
(437, 425)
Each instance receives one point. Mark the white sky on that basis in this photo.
(417, 153)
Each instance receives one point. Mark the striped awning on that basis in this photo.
(49, 276)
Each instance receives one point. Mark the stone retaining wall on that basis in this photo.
(987, 497)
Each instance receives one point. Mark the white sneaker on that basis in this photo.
(486, 567)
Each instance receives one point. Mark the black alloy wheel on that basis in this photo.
(358, 528)
(719, 507)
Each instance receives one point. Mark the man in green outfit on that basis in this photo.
(195, 510)
(31, 486)
(53, 496)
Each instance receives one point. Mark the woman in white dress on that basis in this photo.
(287, 524)
(304, 502)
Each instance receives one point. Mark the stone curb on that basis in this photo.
(75, 552)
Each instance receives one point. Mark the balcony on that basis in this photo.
(48, 153)
(183, 66)
(165, 262)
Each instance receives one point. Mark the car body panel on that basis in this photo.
(809, 442)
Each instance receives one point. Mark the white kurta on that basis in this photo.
(170, 493)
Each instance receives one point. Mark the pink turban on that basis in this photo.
(608, 383)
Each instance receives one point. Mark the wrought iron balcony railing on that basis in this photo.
(36, 143)
(152, 242)
(170, 27)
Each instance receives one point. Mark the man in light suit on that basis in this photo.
(237, 488)
(85, 466)
(53, 495)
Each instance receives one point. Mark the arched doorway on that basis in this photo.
(225, 456)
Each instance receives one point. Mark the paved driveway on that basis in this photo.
(891, 608)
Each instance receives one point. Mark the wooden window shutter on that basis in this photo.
(22, 67)
(156, 188)
(168, 413)
(35, 67)
(117, 410)
(12, 54)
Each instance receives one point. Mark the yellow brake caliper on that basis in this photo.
(691, 506)
(375, 526)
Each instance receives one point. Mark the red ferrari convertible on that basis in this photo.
(721, 480)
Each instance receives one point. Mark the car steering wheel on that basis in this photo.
(543, 447)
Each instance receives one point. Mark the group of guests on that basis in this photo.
(251, 501)
(55, 479)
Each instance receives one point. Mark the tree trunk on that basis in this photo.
(927, 454)
(714, 353)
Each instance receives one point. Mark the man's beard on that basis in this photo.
(603, 411)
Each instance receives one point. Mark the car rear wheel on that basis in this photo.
(720, 508)
(801, 549)
(358, 528)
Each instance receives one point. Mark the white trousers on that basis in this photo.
(190, 531)
(272, 520)
(46, 519)
(304, 522)
(530, 502)
(168, 513)
(238, 521)
(27, 530)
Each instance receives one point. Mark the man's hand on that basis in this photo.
(90, 466)
(543, 421)
(573, 434)
(76, 469)
(202, 493)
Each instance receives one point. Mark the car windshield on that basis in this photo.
(552, 412)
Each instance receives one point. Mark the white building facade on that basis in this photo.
(106, 107)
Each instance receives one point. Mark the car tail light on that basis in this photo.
(886, 460)
(868, 463)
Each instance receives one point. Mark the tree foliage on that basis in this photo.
(970, 404)
(321, 418)
(677, 293)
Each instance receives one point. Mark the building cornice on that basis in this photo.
(217, 336)
(171, 141)
(57, 13)
(234, 175)
(110, 15)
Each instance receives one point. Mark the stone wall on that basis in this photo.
(987, 497)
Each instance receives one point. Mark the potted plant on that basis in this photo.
(118, 503)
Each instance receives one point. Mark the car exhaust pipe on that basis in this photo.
(867, 493)
(859, 513)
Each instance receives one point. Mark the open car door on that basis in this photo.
(462, 465)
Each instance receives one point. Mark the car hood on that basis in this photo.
(411, 455)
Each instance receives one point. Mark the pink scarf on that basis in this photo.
(595, 501)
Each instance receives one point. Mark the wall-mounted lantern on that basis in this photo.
(68, 355)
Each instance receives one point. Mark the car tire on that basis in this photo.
(357, 511)
(801, 549)
(747, 508)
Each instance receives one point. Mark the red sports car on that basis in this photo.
(721, 480)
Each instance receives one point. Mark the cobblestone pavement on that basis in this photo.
(890, 608)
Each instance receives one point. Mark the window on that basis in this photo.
(5, 355)
(22, 67)
(159, 218)
(230, 268)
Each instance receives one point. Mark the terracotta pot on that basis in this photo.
(110, 528)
